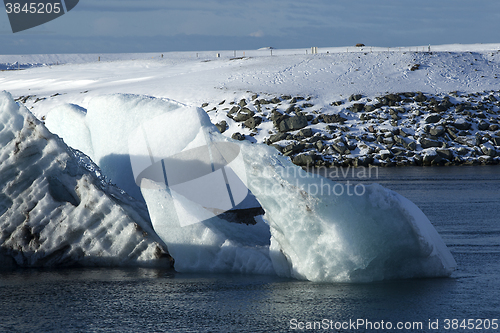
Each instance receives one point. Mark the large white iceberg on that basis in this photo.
(55, 210)
(312, 229)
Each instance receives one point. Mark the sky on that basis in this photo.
(125, 26)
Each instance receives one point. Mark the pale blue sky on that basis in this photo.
(98, 26)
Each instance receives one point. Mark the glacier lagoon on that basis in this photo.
(462, 202)
(196, 310)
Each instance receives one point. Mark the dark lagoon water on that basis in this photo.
(463, 203)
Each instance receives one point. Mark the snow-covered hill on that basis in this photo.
(383, 133)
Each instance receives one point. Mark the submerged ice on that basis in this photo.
(308, 231)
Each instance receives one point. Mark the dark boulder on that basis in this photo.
(357, 107)
(429, 143)
(332, 118)
(293, 123)
(433, 118)
(304, 160)
(461, 125)
(437, 130)
(253, 122)
(221, 126)
(238, 136)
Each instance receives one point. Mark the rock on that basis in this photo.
(204, 105)
(278, 147)
(355, 97)
(277, 137)
(242, 103)
(414, 67)
(496, 141)
(304, 160)
(428, 143)
(320, 145)
(488, 150)
(445, 153)
(438, 160)
(398, 151)
(370, 107)
(306, 132)
(412, 145)
(357, 107)
(253, 122)
(433, 118)
(462, 151)
(428, 159)
(451, 133)
(368, 137)
(221, 126)
(290, 109)
(438, 108)
(293, 123)
(420, 97)
(388, 140)
(399, 140)
(332, 118)
(277, 118)
(275, 100)
(461, 125)
(351, 144)
(483, 125)
(437, 130)
(385, 154)
(293, 148)
(233, 110)
(393, 97)
(336, 103)
(446, 104)
(493, 127)
(238, 136)
(339, 146)
(469, 141)
(243, 115)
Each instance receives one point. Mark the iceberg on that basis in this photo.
(56, 209)
(313, 228)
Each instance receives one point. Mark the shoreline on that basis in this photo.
(395, 129)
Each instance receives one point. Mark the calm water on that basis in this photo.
(462, 202)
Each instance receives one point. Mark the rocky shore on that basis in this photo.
(394, 129)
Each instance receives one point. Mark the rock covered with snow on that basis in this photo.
(395, 129)
(55, 210)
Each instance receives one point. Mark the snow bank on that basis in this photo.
(54, 210)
